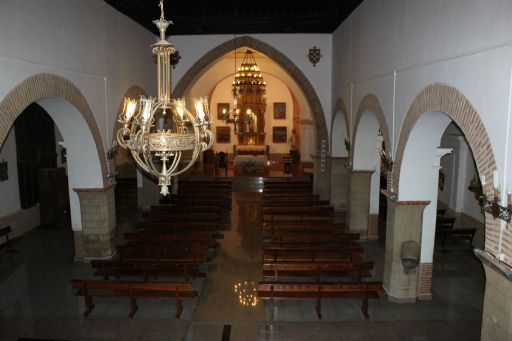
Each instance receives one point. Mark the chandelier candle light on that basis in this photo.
(158, 131)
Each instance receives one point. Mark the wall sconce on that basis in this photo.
(386, 161)
(491, 206)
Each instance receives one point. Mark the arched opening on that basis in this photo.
(439, 116)
(64, 103)
(340, 147)
(369, 138)
(313, 125)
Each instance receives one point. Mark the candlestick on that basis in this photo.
(482, 180)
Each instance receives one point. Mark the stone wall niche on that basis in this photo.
(404, 222)
(98, 210)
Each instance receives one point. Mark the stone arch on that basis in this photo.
(44, 85)
(246, 41)
(340, 106)
(370, 103)
(336, 123)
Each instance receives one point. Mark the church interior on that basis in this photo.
(271, 170)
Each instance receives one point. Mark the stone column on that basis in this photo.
(340, 177)
(428, 230)
(404, 222)
(98, 210)
(497, 314)
(358, 214)
(322, 173)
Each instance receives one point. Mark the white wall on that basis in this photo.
(102, 52)
(394, 48)
(10, 197)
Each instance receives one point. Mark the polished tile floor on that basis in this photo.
(36, 299)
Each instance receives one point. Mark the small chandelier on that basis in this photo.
(163, 132)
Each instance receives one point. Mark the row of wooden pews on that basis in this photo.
(306, 254)
(170, 247)
(445, 230)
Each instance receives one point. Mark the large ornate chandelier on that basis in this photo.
(164, 137)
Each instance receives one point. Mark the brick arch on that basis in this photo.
(48, 85)
(370, 103)
(297, 75)
(450, 101)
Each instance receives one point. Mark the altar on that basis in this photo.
(251, 159)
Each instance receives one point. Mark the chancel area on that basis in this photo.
(275, 170)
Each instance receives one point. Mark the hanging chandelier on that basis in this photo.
(248, 80)
(164, 137)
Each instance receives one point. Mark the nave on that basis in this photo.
(39, 302)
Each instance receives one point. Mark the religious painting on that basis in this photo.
(223, 135)
(4, 175)
(279, 135)
(222, 110)
(279, 111)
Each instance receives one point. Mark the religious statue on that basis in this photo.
(294, 140)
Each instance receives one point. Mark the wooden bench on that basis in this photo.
(176, 227)
(356, 271)
(313, 210)
(302, 239)
(467, 233)
(147, 268)
(317, 291)
(205, 238)
(300, 202)
(298, 217)
(347, 254)
(133, 291)
(4, 232)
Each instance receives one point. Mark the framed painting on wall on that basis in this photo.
(279, 135)
(222, 109)
(279, 111)
(223, 135)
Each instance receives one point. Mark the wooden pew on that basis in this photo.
(317, 291)
(147, 268)
(467, 233)
(298, 217)
(182, 217)
(4, 232)
(307, 210)
(147, 236)
(347, 254)
(356, 271)
(133, 291)
(300, 202)
(309, 239)
(176, 227)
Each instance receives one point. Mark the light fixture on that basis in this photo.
(164, 137)
(492, 206)
(247, 293)
(386, 160)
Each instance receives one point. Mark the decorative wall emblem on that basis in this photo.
(314, 55)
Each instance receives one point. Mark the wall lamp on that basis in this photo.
(492, 206)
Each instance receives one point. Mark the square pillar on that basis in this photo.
(340, 176)
(497, 312)
(321, 177)
(98, 209)
(404, 222)
(358, 213)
